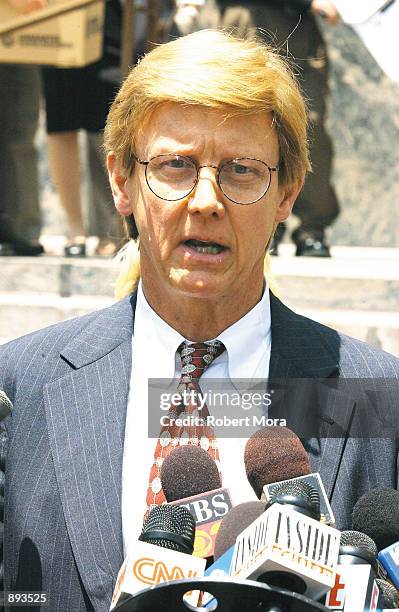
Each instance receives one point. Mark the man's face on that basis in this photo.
(170, 261)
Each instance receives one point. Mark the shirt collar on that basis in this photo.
(248, 338)
(150, 329)
(251, 334)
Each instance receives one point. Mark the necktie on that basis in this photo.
(195, 359)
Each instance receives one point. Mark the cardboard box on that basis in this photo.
(67, 33)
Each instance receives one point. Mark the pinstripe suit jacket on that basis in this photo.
(69, 384)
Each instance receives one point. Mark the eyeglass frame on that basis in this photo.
(218, 170)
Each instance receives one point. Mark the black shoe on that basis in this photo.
(75, 249)
(20, 247)
(310, 245)
(5, 249)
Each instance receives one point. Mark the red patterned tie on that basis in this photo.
(195, 358)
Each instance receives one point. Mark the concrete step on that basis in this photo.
(59, 275)
(356, 291)
(22, 313)
(352, 279)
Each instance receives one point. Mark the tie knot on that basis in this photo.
(196, 357)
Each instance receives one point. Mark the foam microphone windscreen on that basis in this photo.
(273, 454)
(377, 514)
(235, 521)
(187, 471)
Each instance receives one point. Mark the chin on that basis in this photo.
(197, 285)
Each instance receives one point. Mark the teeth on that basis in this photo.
(211, 250)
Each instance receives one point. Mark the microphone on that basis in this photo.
(190, 478)
(273, 454)
(237, 519)
(389, 594)
(188, 471)
(169, 527)
(5, 405)
(356, 588)
(276, 454)
(287, 547)
(377, 514)
(163, 553)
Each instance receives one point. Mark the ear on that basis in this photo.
(119, 186)
(289, 195)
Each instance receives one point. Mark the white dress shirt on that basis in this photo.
(154, 347)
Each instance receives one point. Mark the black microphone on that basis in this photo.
(301, 505)
(389, 594)
(169, 527)
(357, 548)
(282, 544)
(377, 515)
(355, 588)
(298, 495)
(5, 405)
(190, 478)
(162, 553)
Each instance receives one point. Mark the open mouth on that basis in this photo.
(210, 248)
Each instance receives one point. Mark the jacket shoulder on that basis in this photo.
(356, 358)
(314, 347)
(28, 357)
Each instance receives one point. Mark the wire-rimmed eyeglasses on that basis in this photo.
(242, 180)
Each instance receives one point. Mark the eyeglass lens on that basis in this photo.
(172, 177)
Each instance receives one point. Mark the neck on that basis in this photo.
(200, 319)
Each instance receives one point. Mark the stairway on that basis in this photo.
(356, 291)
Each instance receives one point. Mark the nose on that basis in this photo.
(206, 196)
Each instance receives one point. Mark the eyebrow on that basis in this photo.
(188, 152)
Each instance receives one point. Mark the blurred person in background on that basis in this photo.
(292, 26)
(78, 99)
(20, 221)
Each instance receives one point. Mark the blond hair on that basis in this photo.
(213, 69)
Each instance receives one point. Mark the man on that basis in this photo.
(207, 152)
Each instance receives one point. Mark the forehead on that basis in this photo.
(198, 129)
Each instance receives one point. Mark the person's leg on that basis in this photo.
(24, 157)
(102, 217)
(19, 111)
(317, 205)
(64, 165)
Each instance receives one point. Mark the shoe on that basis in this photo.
(310, 245)
(5, 249)
(20, 247)
(75, 249)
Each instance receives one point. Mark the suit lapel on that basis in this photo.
(303, 349)
(86, 412)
